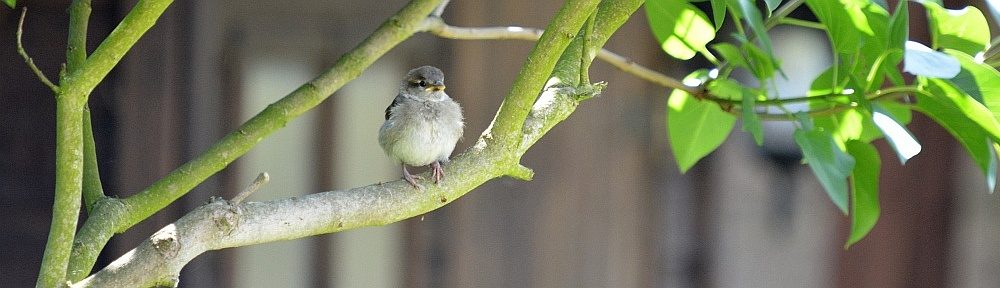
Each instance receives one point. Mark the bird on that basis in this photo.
(422, 125)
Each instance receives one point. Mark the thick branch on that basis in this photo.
(140, 206)
(218, 225)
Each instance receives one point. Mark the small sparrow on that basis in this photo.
(422, 124)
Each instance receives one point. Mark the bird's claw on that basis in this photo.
(437, 172)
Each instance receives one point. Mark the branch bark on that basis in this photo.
(217, 225)
(222, 224)
(124, 213)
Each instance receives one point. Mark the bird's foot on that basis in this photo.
(438, 172)
(412, 179)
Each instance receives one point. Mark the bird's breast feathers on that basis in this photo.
(420, 132)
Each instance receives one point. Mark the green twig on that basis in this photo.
(880, 95)
(27, 59)
(781, 12)
(76, 47)
(76, 55)
(92, 188)
(588, 53)
(143, 15)
(802, 23)
(539, 65)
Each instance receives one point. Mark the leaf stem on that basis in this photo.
(802, 23)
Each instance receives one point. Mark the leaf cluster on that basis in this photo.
(861, 97)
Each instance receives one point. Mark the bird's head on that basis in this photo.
(425, 82)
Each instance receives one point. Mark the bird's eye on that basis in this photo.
(422, 83)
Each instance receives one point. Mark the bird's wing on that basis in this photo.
(388, 110)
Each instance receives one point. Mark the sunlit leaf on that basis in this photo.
(843, 126)
(681, 28)
(922, 61)
(10, 3)
(901, 140)
(970, 108)
(864, 190)
(830, 164)
(845, 21)
(946, 113)
(965, 30)
(978, 80)
(696, 128)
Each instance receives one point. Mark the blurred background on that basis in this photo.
(608, 206)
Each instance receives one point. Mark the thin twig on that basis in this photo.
(261, 180)
(27, 59)
(440, 8)
(436, 26)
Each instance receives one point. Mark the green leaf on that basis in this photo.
(965, 30)
(901, 140)
(968, 106)
(732, 55)
(922, 61)
(771, 5)
(750, 13)
(830, 164)
(978, 80)
(681, 28)
(729, 89)
(845, 21)
(751, 122)
(761, 63)
(864, 190)
(696, 128)
(725, 89)
(719, 13)
(946, 113)
(10, 3)
(899, 26)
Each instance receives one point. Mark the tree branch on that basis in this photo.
(76, 55)
(140, 206)
(438, 27)
(506, 127)
(27, 59)
(440, 8)
(220, 225)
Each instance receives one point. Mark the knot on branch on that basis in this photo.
(225, 215)
(173, 281)
(559, 100)
(165, 242)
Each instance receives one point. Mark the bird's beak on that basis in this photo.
(437, 86)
